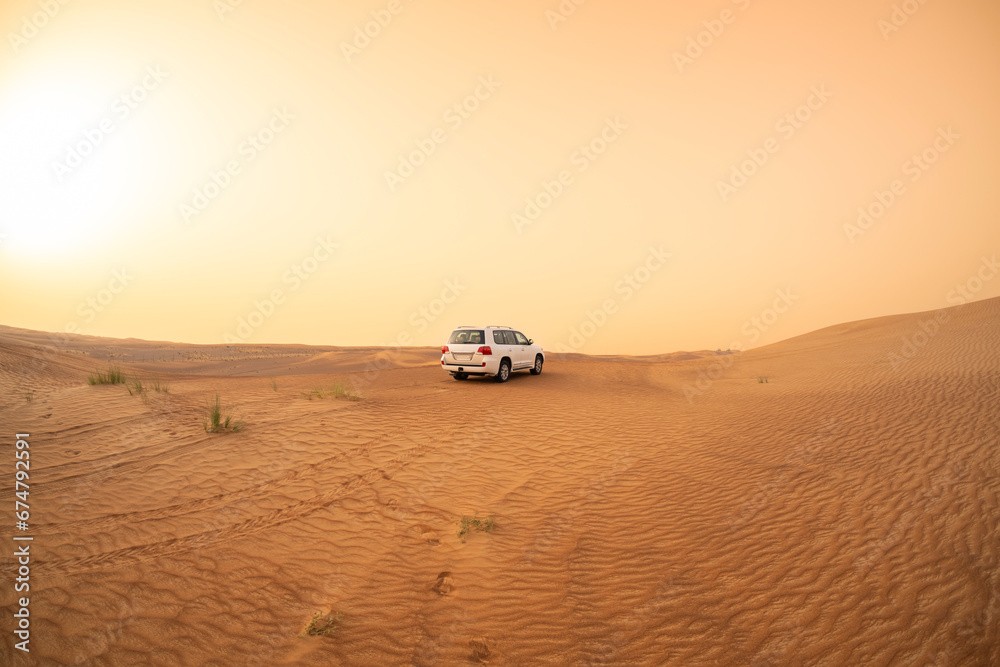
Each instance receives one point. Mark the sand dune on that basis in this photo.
(648, 511)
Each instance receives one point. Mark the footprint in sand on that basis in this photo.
(429, 535)
(444, 584)
(481, 651)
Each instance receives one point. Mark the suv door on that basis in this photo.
(501, 349)
(505, 346)
(525, 358)
(513, 349)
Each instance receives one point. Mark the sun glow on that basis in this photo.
(64, 176)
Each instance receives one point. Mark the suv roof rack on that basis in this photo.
(497, 326)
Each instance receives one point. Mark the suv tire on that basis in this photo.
(504, 373)
(537, 368)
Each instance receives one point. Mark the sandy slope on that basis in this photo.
(650, 511)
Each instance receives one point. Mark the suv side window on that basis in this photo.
(509, 338)
(521, 340)
(498, 338)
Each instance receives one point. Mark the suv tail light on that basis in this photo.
(444, 350)
(485, 351)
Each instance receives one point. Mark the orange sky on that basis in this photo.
(178, 171)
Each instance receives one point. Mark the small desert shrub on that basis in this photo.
(467, 524)
(135, 387)
(113, 375)
(763, 379)
(338, 390)
(321, 624)
(274, 385)
(219, 421)
(29, 396)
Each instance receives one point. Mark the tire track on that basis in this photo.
(103, 466)
(174, 546)
(181, 509)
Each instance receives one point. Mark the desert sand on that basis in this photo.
(673, 510)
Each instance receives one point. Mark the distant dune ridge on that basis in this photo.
(831, 499)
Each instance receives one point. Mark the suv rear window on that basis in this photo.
(467, 337)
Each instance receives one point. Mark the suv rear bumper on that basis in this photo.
(491, 367)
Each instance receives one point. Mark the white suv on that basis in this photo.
(496, 351)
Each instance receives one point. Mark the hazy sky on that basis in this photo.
(268, 172)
